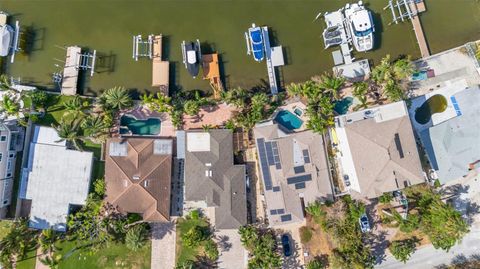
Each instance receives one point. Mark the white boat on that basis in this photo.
(6, 38)
(360, 25)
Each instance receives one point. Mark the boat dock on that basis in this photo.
(70, 71)
(337, 34)
(274, 58)
(211, 71)
(409, 9)
(160, 68)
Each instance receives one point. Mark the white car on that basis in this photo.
(364, 224)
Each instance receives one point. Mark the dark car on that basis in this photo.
(287, 251)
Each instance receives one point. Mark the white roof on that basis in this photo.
(198, 142)
(57, 178)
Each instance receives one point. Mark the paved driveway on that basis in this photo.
(232, 253)
(163, 245)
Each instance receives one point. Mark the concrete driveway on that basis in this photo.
(232, 253)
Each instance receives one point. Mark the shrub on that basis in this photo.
(136, 237)
(211, 250)
(385, 198)
(305, 234)
(195, 214)
(193, 237)
(403, 249)
(437, 183)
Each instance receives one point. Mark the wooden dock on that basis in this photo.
(211, 71)
(416, 8)
(160, 69)
(70, 71)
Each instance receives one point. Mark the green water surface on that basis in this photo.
(108, 26)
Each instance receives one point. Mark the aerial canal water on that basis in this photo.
(108, 26)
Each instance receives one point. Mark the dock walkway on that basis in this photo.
(211, 71)
(70, 71)
(418, 29)
(160, 68)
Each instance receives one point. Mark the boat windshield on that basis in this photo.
(362, 33)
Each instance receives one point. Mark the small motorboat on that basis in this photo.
(255, 42)
(192, 57)
(6, 37)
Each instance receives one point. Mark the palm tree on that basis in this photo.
(136, 237)
(47, 241)
(360, 90)
(70, 132)
(9, 105)
(5, 84)
(403, 68)
(158, 102)
(237, 97)
(74, 105)
(95, 126)
(52, 261)
(393, 91)
(295, 89)
(191, 107)
(116, 98)
(383, 72)
(331, 84)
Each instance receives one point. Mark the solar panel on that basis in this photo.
(299, 169)
(285, 218)
(299, 179)
(306, 156)
(276, 189)
(398, 144)
(273, 212)
(300, 185)
(280, 211)
(264, 164)
(278, 166)
(268, 150)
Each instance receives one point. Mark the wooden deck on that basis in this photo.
(70, 71)
(418, 29)
(160, 69)
(211, 71)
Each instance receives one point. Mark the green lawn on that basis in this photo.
(55, 111)
(112, 257)
(184, 253)
(29, 261)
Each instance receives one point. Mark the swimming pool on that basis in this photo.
(288, 120)
(434, 104)
(341, 106)
(150, 126)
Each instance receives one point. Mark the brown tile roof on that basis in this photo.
(138, 176)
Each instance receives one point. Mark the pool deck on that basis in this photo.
(141, 113)
(212, 115)
(295, 104)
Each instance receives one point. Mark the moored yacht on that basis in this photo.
(360, 25)
(192, 57)
(6, 35)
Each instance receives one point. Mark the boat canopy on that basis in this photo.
(191, 57)
(6, 33)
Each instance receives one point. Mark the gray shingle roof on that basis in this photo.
(225, 189)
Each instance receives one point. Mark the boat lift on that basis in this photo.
(141, 47)
(404, 10)
(15, 45)
(86, 61)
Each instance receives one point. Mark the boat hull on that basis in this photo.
(6, 38)
(255, 35)
(192, 63)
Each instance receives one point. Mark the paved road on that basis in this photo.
(428, 257)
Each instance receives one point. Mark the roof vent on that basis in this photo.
(145, 183)
(136, 177)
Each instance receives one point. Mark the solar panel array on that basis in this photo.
(299, 179)
(285, 218)
(306, 156)
(299, 169)
(300, 185)
(276, 189)
(455, 106)
(277, 211)
(267, 180)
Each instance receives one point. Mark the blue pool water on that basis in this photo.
(150, 126)
(341, 107)
(288, 120)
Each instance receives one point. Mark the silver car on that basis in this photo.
(364, 224)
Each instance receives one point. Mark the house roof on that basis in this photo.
(383, 149)
(211, 176)
(57, 178)
(292, 166)
(454, 144)
(138, 176)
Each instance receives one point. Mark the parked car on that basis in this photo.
(287, 251)
(364, 224)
